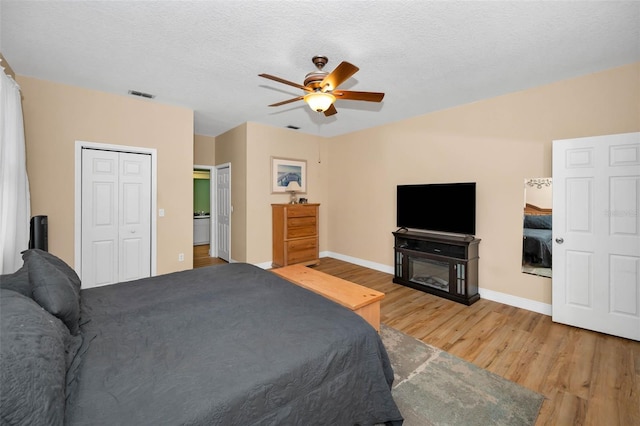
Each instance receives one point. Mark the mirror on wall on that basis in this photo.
(536, 235)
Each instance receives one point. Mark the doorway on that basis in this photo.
(219, 217)
(203, 207)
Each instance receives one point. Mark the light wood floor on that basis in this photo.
(587, 378)
(201, 257)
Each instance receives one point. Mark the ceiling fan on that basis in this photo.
(322, 87)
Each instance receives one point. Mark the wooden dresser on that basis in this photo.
(295, 234)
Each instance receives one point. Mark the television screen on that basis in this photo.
(443, 207)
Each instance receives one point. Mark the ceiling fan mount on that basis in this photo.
(314, 78)
(320, 61)
(320, 87)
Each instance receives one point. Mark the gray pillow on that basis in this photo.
(33, 362)
(543, 221)
(54, 289)
(59, 264)
(18, 281)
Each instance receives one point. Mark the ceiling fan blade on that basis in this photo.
(358, 96)
(338, 76)
(330, 111)
(299, 98)
(283, 81)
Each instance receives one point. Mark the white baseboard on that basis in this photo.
(264, 265)
(495, 296)
(360, 262)
(518, 302)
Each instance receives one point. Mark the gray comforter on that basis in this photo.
(225, 345)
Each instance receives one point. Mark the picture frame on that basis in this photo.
(284, 170)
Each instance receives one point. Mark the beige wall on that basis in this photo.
(57, 115)
(204, 150)
(496, 143)
(231, 147)
(249, 149)
(264, 142)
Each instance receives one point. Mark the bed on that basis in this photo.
(222, 345)
(537, 237)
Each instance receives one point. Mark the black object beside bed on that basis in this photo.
(229, 345)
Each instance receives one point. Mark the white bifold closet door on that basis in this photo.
(116, 217)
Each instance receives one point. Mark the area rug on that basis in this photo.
(433, 387)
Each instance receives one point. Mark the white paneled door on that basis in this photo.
(116, 217)
(223, 211)
(596, 232)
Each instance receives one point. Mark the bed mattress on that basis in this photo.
(225, 345)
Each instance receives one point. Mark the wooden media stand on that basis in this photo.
(444, 265)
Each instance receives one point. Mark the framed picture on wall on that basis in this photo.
(286, 170)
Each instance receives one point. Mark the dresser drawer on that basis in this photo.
(301, 222)
(301, 211)
(301, 231)
(302, 256)
(302, 250)
(304, 244)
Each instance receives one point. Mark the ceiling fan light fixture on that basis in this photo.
(319, 87)
(319, 101)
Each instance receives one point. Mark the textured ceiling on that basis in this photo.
(425, 55)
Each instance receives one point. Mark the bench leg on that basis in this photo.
(371, 313)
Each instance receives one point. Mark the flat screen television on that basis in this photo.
(440, 207)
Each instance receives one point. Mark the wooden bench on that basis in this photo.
(360, 299)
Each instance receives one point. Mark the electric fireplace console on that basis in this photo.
(444, 265)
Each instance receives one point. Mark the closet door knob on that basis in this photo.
(559, 240)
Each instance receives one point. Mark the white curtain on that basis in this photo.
(15, 206)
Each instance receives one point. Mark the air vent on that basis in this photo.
(141, 94)
(293, 127)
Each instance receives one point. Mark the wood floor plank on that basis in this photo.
(201, 257)
(587, 378)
